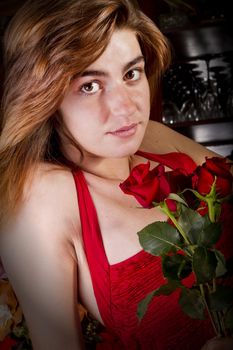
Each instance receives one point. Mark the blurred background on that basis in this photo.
(196, 95)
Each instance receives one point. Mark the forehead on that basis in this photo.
(122, 47)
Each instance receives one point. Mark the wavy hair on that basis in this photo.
(47, 44)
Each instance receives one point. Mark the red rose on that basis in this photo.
(178, 180)
(146, 185)
(205, 174)
(154, 185)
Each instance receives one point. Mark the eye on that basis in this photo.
(133, 74)
(90, 88)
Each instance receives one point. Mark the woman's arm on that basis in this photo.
(162, 139)
(219, 344)
(40, 262)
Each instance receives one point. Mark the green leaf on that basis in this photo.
(229, 319)
(204, 264)
(159, 238)
(221, 298)
(195, 232)
(217, 208)
(202, 231)
(192, 303)
(177, 198)
(176, 267)
(191, 222)
(165, 289)
(210, 235)
(221, 263)
(198, 195)
(143, 305)
(168, 288)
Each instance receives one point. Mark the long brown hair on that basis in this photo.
(47, 43)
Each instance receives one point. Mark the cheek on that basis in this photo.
(144, 97)
(75, 114)
(83, 126)
(146, 88)
(148, 97)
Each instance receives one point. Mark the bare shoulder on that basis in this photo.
(37, 247)
(160, 138)
(52, 194)
(48, 179)
(49, 205)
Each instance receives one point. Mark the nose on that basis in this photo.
(120, 100)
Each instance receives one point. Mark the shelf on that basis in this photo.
(195, 43)
(217, 136)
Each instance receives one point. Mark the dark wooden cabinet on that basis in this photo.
(196, 95)
(200, 85)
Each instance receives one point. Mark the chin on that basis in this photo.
(126, 150)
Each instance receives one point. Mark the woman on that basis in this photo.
(80, 75)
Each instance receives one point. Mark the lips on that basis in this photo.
(124, 130)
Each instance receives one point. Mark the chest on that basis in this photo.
(120, 217)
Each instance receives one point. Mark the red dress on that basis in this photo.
(119, 287)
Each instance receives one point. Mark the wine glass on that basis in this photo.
(191, 108)
(171, 113)
(229, 104)
(229, 99)
(210, 104)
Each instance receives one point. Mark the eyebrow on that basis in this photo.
(128, 65)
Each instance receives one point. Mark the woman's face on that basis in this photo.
(107, 108)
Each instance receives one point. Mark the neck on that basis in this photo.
(115, 169)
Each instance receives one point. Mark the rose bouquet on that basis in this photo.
(198, 206)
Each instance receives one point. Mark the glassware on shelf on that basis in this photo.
(198, 90)
(229, 102)
(220, 82)
(191, 108)
(210, 105)
(181, 94)
(171, 113)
